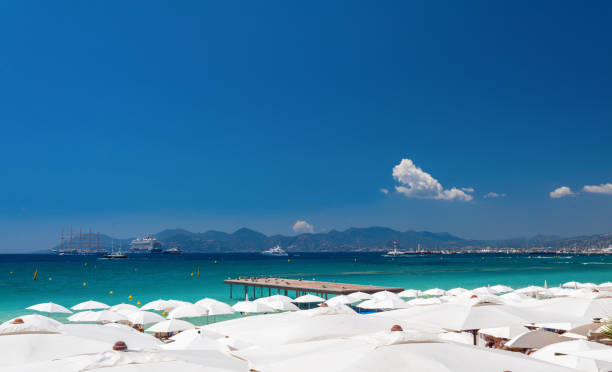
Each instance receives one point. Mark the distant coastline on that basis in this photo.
(371, 239)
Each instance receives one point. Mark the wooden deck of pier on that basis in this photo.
(283, 286)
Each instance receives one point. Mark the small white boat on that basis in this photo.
(275, 251)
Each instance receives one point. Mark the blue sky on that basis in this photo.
(133, 117)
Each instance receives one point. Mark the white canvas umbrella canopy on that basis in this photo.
(361, 295)
(16, 327)
(408, 293)
(458, 317)
(171, 325)
(367, 354)
(587, 285)
(425, 301)
(561, 354)
(187, 311)
(158, 305)
(282, 305)
(383, 295)
(308, 298)
(122, 307)
(49, 307)
(253, 307)
(383, 304)
(81, 316)
(573, 308)
(605, 286)
(37, 320)
(499, 288)
(434, 292)
(484, 291)
(144, 317)
(342, 300)
(215, 307)
(535, 339)
(515, 298)
(173, 304)
(571, 284)
(531, 290)
(456, 291)
(101, 316)
(90, 305)
(274, 298)
(193, 339)
(298, 327)
(506, 332)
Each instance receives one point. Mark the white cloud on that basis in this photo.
(302, 227)
(468, 189)
(419, 184)
(561, 192)
(605, 188)
(495, 195)
(384, 191)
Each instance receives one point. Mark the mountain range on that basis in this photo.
(350, 240)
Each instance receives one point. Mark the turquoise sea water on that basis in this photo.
(149, 277)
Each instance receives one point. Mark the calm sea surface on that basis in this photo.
(70, 280)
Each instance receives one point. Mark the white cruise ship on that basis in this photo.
(145, 245)
(276, 251)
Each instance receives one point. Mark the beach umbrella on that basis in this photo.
(170, 325)
(562, 353)
(535, 339)
(253, 307)
(587, 285)
(361, 295)
(282, 305)
(506, 332)
(37, 320)
(81, 316)
(308, 298)
(382, 295)
(515, 298)
(342, 300)
(501, 289)
(456, 291)
(144, 317)
(571, 285)
(534, 290)
(215, 307)
(90, 305)
(577, 308)
(434, 292)
(173, 304)
(102, 316)
(187, 311)
(158, 305)
(408, 293)
(483, 291)
(606, 286)
(193, 339)
(369, 353)
(20, 326)
(425, 301)
(49, 307)
(123, 307)
(274, 298)
(383, 304)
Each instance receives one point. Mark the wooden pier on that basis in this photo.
(301, 287)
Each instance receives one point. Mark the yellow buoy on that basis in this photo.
(85, 264)
(111, 292)
(130, 297)
(215, 262)
(11, 273)
(50, 278)
(164, 313)
(288, 260)
(138, 303)
(84, 284)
